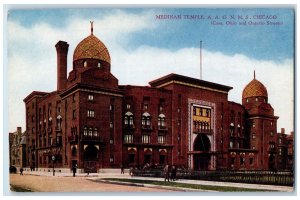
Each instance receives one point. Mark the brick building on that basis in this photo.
(92, 121)
(17, 148)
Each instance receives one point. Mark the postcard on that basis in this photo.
(162, 99)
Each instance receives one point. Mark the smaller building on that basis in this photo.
(17, 148)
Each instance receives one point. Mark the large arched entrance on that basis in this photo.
(90, 157)
(201, 152)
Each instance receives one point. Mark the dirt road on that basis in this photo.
(72, 184)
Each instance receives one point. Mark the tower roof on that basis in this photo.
(91, 47)
(255, 89)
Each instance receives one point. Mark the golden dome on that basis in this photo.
(91, 47)
(255, 89)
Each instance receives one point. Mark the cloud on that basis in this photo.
(32, 62)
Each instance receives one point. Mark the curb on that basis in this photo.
(177, 189)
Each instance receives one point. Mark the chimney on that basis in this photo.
(62, 53)
(282, 130)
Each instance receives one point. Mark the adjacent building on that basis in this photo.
(93, 122)
(17, 148)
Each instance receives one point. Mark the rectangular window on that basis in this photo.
(74, 114)
(91, 97)
(161, 139)
(91, 113)
(128, 139)
(251, 161)
(50, 141)
(128, 106)
(242, 161)
(231, 144)
(111, 159)
(146, 139)
(145, 106)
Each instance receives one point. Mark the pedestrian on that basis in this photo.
(130, 171)
(88, 171)
(74, 169)
(122, 169)
(167, 173)
(21, 171)
(173, 173)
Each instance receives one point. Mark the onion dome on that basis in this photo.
(91, 48)
(255, 89)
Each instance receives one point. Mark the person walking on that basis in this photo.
(130, 171)
(167, 173)
(173, 173)
(122, 169)
(74, 169)
(21, 171)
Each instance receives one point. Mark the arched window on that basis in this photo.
(146, 120)
(85, 63)
(131, 120)
(99, 64)
(95, 132)
(128, 119)
(162, 120)
(58, 122)
(85, 132)
(90, 132)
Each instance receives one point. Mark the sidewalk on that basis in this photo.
(95, 176)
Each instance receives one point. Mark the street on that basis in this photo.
(72, 184)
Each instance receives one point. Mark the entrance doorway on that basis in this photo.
(162, 159)
(147, 159)
(90, 157)
(131, 159)
(201, 156)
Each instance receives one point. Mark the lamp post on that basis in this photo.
(53, 159)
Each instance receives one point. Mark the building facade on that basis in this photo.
(17, 148)
(93, 122)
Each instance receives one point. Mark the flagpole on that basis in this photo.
(201, 60)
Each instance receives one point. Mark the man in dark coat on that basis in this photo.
(173, 173)
(167, 173)
(74, 169)
(21, 171)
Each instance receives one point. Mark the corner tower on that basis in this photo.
(261, 124)
(91, 52)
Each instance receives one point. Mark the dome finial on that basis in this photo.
(254, 74)
(92, 27)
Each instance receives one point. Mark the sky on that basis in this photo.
(153, 42)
